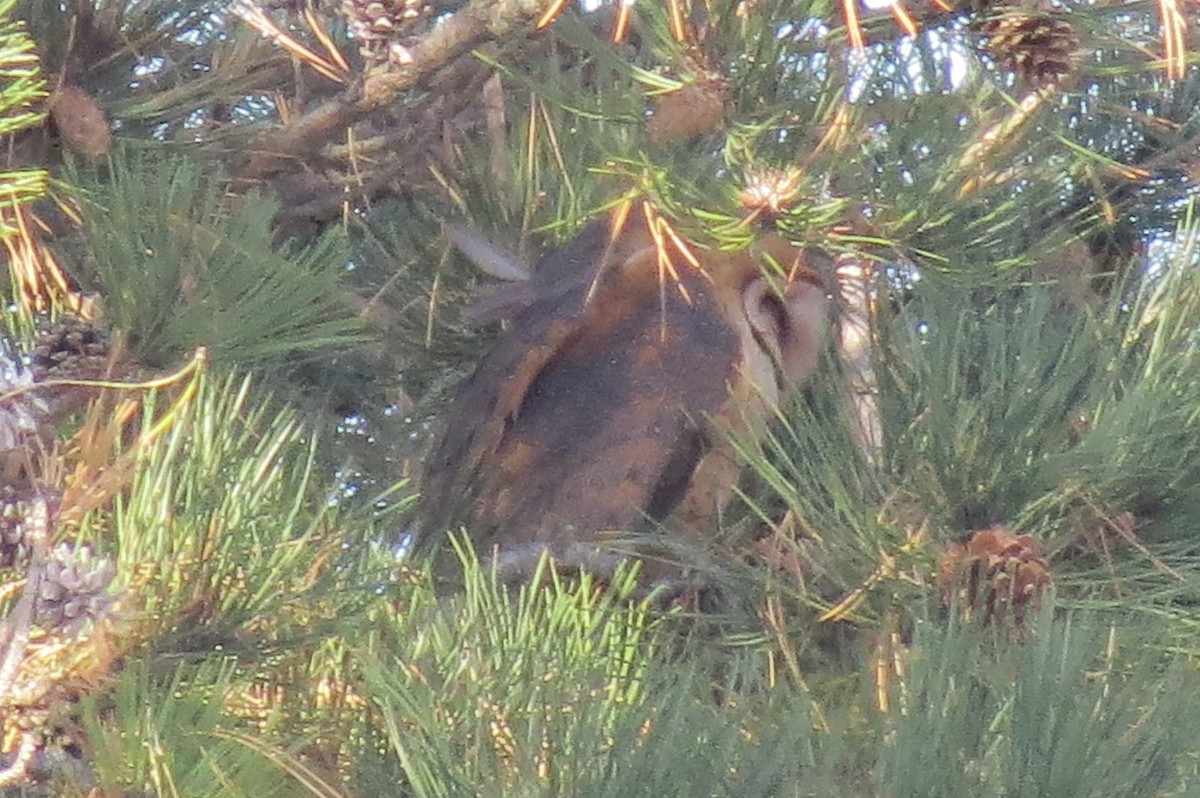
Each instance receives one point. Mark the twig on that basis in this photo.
(854, 350)
(479, 22)
(15, 630)
(17, 768)
(14, 635)
(497, 127)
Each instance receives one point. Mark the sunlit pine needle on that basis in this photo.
(658, 226)
(678, 26)
(904, 19)
(318, 30)
(256, 18)
(620, 219)
(1174, 28)
(624, 15)
(853, 24)
(550, 14)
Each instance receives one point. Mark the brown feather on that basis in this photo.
(607, 404)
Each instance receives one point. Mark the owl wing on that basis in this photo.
(587, 414)
(543, 313)
(558, 285)
(611, 429)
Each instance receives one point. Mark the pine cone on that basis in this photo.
(383, 28)
(692, 111)
(69, 349)
(1039, 46)
(23, 414)
(14, 549)
(74, 589)
(80, 122)
(994, 576)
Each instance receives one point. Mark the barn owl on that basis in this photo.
(609, 403)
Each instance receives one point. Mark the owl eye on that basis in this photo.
(770, 323)
(773, 308)
(768, 315)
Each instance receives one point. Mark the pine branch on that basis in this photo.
(23, 89)
(208, 271)
(479, 22)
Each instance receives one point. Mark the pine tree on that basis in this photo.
(960, 563)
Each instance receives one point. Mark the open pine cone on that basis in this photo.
(1039, 46)
(24, 414)
(69, 348)
(75, 589)
(382, 27)
(996, 576)
(14, 550)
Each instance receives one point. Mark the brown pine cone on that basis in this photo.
(383, 27)
(69, 348)
(996, 576)
(80, 122)
(692, 111)
(1039, 46)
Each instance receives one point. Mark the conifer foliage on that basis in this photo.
(963, 561)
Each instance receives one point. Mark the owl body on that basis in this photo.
(607, 405)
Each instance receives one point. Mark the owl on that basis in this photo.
(604, 415)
